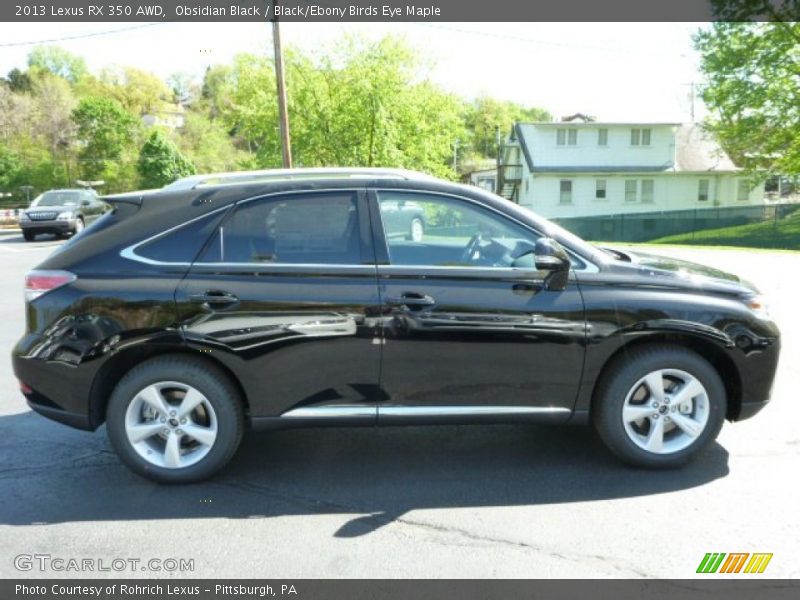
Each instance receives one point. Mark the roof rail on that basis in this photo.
(273, 175)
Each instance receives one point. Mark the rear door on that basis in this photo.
(285, 295)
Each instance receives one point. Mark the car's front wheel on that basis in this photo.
(657, 407)
(175, 420)
(416, 230)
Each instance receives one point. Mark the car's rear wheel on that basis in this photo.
(175, 419)
(659, 406)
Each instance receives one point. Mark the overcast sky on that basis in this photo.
(626, 71)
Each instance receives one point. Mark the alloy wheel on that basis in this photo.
(171, 424)
(666, 411)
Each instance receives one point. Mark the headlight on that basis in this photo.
(759, 305)
(65, 216)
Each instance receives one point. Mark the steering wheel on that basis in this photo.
(472, 245)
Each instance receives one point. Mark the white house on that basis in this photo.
(171, 116)
(483, 178)
(587, 168)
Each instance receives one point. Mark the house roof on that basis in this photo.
(594, 124)
(696, 151)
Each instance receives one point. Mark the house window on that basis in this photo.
(630, 190)
(566, 137)
(600, 189)
(743, 191)
(702, 190)
(565, 189)
(640, 137)
(648, 185)
(602, 137)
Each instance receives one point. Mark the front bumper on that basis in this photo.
(54, 226)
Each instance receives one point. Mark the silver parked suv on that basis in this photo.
(62, 212)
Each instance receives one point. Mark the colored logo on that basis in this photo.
(735, 562)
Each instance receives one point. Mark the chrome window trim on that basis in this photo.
(589, 268)
(130, 251)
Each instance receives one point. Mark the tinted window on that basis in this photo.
(454, 233)
(291, 229)
(183, 244)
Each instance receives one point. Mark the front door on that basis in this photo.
(469, 327)
(286, 295)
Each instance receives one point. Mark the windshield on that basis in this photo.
(60, 199)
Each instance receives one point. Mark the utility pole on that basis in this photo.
(455, 155)
(283, 113)
(498, 151)
(691, 100)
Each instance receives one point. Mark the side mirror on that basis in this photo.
(550, 256)
(85, 203)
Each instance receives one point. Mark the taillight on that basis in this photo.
(41, 282)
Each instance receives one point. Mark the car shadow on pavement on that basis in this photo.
(17, 239)
(51, 474)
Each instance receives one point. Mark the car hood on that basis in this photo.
(666, 270)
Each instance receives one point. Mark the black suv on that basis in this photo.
(277, 299)
(62, 212)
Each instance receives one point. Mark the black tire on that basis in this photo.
(203, 376)
(623, 374)
(80, 225)
(29, 236)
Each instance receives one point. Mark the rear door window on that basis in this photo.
(317, 228)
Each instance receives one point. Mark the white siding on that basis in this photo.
(545, 152)
(671, 191)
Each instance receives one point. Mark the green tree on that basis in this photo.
(18, 81)
(752, 88)
(207, 144)
(58, 61)
(106, 132)
(10, 168)
(160, 162)
(362, 104)
(486, 116)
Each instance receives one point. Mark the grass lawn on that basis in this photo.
(784, 234)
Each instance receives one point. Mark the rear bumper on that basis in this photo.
(58, 391)
(76, 420)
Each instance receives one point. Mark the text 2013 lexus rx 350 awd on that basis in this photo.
(220, 303)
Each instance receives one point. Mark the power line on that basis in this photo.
(517, 38)
(79, 36)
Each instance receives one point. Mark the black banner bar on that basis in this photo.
(364, 10)
(380, 589)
